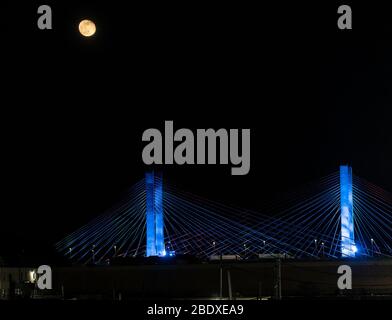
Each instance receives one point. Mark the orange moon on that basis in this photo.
(87, 28)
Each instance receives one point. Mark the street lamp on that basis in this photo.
(93, 253)
(372, 241)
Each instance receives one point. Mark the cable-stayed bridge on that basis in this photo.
(339, 216)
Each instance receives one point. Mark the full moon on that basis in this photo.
(87, 28)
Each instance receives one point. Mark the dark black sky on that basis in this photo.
(74, 109)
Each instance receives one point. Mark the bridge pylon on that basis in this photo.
(348, 248)
(155, 245)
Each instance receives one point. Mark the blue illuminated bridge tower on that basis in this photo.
(348, 248)
(155, 245)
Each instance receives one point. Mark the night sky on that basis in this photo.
(74, 109)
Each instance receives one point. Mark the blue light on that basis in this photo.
(170, 253)
(150, 215)
(347, 216)
(154, 216)
(158, 208)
